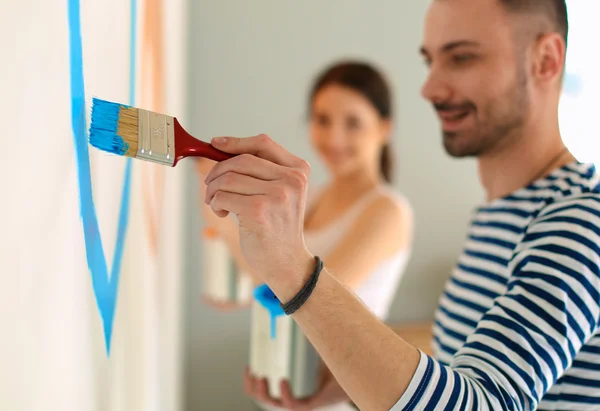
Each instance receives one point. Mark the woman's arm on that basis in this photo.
(382, 229)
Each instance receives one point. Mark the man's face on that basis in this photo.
(477, 79)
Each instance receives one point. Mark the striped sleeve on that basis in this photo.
(531, 335)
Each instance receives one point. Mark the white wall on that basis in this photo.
(251, 66)
(580, 101)
(52, 350)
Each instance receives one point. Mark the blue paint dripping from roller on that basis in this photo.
(105, 287)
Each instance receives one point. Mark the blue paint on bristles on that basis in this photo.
(104, 125)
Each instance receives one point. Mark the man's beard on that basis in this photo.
(502, 118)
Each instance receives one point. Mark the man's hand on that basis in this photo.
(328, 393)
(265, 187)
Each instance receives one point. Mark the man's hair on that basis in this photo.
(553, 11)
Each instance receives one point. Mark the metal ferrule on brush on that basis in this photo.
(156, 140)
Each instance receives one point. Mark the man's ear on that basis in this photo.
(549, 58)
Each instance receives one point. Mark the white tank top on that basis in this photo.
(378, 289)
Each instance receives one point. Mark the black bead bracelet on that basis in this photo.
(300, 298)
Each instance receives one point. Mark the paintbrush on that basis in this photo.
(134, 132)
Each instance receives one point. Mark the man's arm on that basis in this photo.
(520, 347)
(518, 351)
(370, 362)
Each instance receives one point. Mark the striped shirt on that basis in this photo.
(517, 327)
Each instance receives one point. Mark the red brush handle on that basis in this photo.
(188, 146)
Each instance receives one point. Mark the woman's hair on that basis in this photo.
(369, 82)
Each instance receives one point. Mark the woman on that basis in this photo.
(357, 223)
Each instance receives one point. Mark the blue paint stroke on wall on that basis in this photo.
(105, 286)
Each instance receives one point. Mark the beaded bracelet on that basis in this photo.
(300, 298)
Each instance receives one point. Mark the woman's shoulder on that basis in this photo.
(388, 199)
(386, 208)
(383, 201)
(389, 214)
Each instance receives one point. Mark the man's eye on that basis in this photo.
(462, 58)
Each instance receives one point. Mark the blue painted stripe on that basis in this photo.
(105, 287)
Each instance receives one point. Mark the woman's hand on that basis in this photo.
(328, 393)
(265, 187)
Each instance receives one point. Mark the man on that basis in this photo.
(517, 326)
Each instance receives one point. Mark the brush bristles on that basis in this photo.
(128, 129)
(114, 128)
